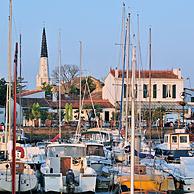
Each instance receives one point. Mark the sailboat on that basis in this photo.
(139, 177)
(16, 176)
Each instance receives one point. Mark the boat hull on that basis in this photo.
(24, 182)
(148, 183)
(55, 182)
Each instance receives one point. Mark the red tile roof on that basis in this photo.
(75, 103)
(29, 92)
(168, 74)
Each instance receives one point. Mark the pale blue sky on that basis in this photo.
(98, 24)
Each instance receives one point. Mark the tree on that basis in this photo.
(90, 112)
(35, 112)
(43, 115)
(20, 84)
(68, 72)
(91, 84)
(74, 90)
(156, 114)
(48, 89)
(3, 91)
(68, 112)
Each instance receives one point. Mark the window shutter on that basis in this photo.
(155, 91)
(173, 91)
(125, 90)
(145, 91)
(164, 90)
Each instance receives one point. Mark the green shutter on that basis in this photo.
(145, 90)
(155, 91)
(173, 91)
(125, 90)
(164, 90)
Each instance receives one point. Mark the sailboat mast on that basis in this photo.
(20, 79)
(122, 86)
(133, 118)
(9, 63)
(59, 85)
(139, 72)
(150, 95)
(127, 78)
(80, 85)
(14, 124)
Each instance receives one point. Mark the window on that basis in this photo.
(145, 90)
(169, 89)
(183, 139)
(192, 99)
(166, 139)
(125, 90)
(136, 90)
(174, 139)
(155, 91)
(164, 91)
(173, 91)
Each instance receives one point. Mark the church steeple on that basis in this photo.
(44, 52)
(43, 73)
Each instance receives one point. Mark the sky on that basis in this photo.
(97, 23)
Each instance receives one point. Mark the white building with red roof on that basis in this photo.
(166, 86)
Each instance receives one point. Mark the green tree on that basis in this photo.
(20, 84)
(90, 111)
(91, 84)
(36, 111)
(73, 90)
(48, 89)
(68, 112)
(43, 115)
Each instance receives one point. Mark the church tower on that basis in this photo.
(43, 74)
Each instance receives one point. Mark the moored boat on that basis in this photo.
(26, 179)
(66, 169)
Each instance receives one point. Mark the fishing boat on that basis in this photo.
(175, 145)
(66, 169)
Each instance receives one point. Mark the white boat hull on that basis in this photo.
(24, 182)
(55, 182)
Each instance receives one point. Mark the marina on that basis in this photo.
(131, 132)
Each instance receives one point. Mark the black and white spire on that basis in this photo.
(44, 52)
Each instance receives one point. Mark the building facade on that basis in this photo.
(166, 86)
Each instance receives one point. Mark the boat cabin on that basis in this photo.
(94, 149)
(97, 135)
(177, 141)
(63, 157)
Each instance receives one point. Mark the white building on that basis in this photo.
(166, 86)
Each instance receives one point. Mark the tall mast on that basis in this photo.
(150, 95)
(80, 85)
(133, 118)
(139, 72)
(59, 85)
(14, 125)
(122, 86)
(20, 80)
(120, 59)
(127, 77)
(9, 63)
